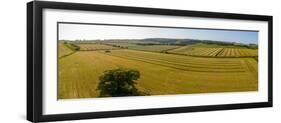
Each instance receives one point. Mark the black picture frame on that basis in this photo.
(35, 69)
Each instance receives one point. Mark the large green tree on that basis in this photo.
(118, 82)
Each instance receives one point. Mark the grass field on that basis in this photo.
(153, 48)
(94, 46)
(150, 48)
(161, 73)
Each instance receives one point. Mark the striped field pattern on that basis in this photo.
(161, 73)
(215, 52)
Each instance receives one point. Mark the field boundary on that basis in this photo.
(98, 50)
(74, 50)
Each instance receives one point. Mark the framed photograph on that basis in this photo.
(95, 61)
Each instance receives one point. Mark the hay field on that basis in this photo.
(215, 52)
(161, 73)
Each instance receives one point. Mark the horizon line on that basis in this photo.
(155, 38)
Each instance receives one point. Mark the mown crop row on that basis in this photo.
(216, 52)
(179, 62)
(161, 74)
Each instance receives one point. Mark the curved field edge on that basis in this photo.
(66, 50)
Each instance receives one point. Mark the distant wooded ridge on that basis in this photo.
(167, 41)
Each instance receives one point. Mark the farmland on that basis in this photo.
(63, 50)
(153, 48)
(143, 47)
(201, 50)
(175, 71)
(94, 46)
(215, 52)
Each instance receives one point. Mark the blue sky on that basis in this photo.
(90, 32)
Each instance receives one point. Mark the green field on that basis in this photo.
(153, 48)
(139, 46)
(161, 73)
(95, 46)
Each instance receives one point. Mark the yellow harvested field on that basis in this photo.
(161, 73)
